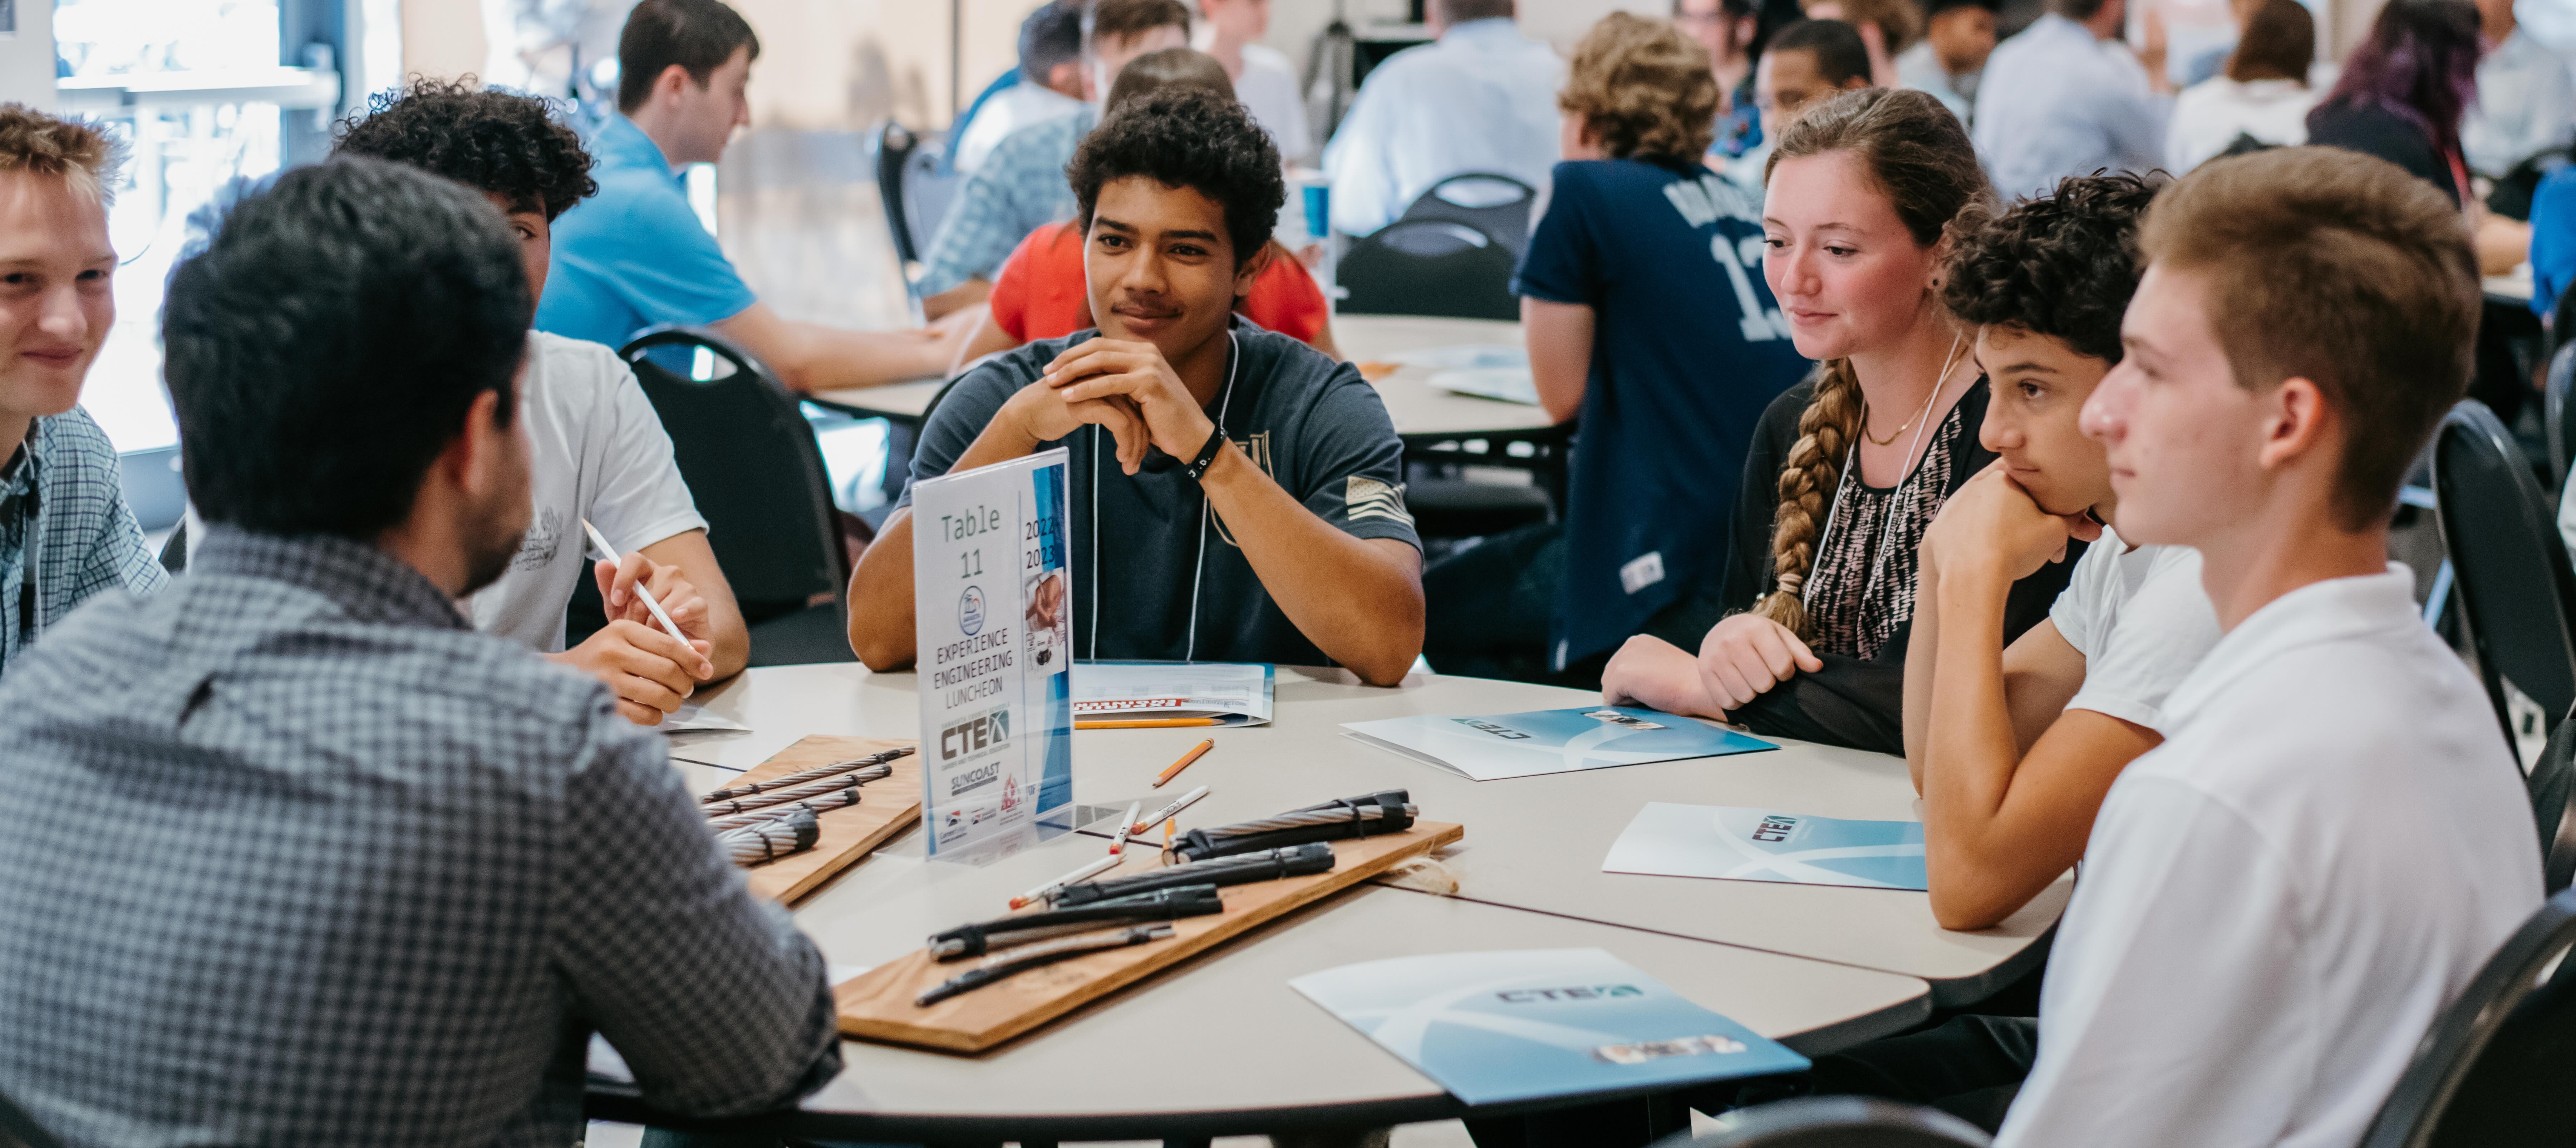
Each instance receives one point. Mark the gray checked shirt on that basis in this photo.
(65, 531)
(295, 857)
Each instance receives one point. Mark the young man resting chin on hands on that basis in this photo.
(1292, 545)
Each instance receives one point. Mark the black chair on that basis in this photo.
(2484, 1075)
(1838, 1122)
(2517, 592)
(1497, 205)
(1429, 267)
(2556, 412)
(750, 460)
(19, 1130)
(891, 146)
(174, 549)
(2553, 805)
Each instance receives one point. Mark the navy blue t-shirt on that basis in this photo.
(1687, 349)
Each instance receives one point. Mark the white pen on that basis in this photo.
(1167, 812)
(1125, 827)
(1051, 888)
(601, 541)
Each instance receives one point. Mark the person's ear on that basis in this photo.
(672, 84)
(1251, 270)
(2297, 425)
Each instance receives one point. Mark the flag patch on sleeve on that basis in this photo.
(1369, 498)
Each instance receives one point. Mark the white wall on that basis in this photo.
(27, 57)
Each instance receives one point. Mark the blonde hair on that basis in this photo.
(1643, 88)
(77, 150)
(1918, 156)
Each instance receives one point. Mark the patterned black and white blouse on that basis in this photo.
(1861, 591)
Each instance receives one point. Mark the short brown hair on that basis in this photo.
(1643, 89)
(77, 150)
(2279, 43)
(698, 35)
(1121, 19)
(2345, 270)
(1456, 12)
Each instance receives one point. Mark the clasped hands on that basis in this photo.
(1123, 385)
(1989, 531)
(650, 671)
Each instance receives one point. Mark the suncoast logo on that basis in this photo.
(1571, 993)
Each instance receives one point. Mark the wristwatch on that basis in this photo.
(1197, 468)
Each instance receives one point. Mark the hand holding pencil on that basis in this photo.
(645, 655)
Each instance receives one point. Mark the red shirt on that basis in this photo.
(1041, 292)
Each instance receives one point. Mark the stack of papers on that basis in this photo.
(1489, 370)
(1521, 1025)
(1551, 741)
(1768, 845)
(1233, 693)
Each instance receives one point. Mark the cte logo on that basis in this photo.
(1576, 993)
(1775, 828)
(975, 735)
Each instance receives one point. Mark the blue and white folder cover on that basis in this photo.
(1767, 845)
(1496, 1027)
(1492, 746)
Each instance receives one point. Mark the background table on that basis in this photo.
(1532, 843)
(1221, 1044)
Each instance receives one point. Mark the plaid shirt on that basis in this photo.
(295, 857)
(1020, 188)
(65, 491)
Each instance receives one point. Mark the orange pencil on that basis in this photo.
(1146, 723)
(1184, 762)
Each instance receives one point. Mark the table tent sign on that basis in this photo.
(1491, 746)
(1740, 844)
(993, 619)
(1530, 1024)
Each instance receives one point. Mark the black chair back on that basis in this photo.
(1839, 1122)
(2484, 1075)
(19, 1130)
(2553, 805)
(892, 145)
(929, 190)
(2556, 410)
(2517, 592)
(742, 443)
(1497, 205)
(1429, 267)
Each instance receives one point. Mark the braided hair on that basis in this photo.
(1919, 157)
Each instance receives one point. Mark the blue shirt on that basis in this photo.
(1481, 98)
(65, 532)
(2055, 101)
(635, 254)
(2553, 241)
(1687, 349)
(1019, 189)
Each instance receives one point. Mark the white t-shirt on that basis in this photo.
(2141, 620)
(2278, 901)
(2209, 115)
(597, 450)
(1268, 88)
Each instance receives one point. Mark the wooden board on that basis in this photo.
(878, 1005)
(886, 807)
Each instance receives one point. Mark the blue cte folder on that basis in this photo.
(1490, 746)
(1496, 1027)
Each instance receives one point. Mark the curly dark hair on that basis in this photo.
(496, 141)
(1186, 136)
(2063, 265)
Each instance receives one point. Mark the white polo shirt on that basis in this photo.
(2141, 620)
(598, 451)
(2278, 901)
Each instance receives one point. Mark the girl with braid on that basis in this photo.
(1847, 469)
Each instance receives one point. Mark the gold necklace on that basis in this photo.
(1948, 363)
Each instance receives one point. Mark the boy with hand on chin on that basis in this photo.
(1236, 494)
(2012, 746)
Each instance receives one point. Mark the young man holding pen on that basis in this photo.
(599, 454)
(2013, 745)
(1236, 494)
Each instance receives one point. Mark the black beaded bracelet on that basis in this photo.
(1198, 467)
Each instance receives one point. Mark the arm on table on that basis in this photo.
(958, 298)
(1358, 599)
(715, 1000)
(2000, 825)
(1560, 353)
(811, 357)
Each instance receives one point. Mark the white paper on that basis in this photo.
(1147, 690)
(694, 717)
(1740, 844)
(1510, 384)
(1491, 747)
(1465, 357)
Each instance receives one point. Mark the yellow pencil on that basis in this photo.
(1147, 723)
(1183, 763)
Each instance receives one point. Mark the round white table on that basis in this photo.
(1418, 409)
(1222, 1045)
